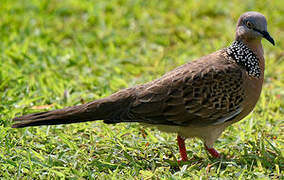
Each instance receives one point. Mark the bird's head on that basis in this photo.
(252, 26)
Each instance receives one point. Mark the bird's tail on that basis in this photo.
(61, 116)
(103, 109)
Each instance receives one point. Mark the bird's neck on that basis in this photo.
(245, 57)
(256, 47)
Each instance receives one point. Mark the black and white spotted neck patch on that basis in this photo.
(245, 58)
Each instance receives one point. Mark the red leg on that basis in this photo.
(213, 152)
(182, 149)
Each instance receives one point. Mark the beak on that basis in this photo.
(266, 35)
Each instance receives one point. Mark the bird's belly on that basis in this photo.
(207, 133)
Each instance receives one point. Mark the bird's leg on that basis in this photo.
(213, 152)
(182, 149)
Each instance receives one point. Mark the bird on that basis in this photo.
(196, 100)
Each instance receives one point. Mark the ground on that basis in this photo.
(58, 53)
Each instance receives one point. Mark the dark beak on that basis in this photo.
(266, 35)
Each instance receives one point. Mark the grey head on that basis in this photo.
(252, 26)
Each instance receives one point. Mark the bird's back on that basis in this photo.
(202, 92)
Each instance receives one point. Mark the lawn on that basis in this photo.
(58, 53)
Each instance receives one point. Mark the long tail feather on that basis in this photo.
(108, 109)
(62, 116)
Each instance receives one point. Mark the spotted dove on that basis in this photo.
(198, 99)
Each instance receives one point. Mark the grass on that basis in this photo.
(58, 53)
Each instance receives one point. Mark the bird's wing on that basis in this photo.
(202, 92)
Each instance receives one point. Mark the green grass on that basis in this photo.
(65, 52)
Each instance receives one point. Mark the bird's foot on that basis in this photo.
(213, 152)
(182, 149)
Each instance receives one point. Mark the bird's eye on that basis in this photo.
(249, 24)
